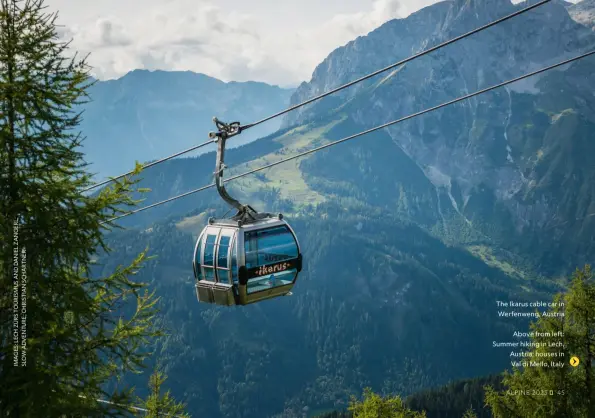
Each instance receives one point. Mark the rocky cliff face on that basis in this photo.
(530, 39)
(516, 156)
(583, 12)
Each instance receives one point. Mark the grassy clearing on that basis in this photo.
(486, 254)
(565, 112)
(287, 177)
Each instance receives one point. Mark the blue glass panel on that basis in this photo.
(269, 246)
(222, 255)
(251, 250)
(209, 274)
(222, 275)
(210, 250)
(258, 284)
(197, 270)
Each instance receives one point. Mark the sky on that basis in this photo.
(275, 41)
(279, 42)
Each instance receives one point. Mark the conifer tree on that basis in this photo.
(158, 405)
(59, 340)
(580, 302)
(374, 406)
(470, 413)
(534, 391)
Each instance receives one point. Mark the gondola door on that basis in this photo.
(223, 256)
(216, 265)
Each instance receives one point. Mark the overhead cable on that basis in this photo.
(149, 165)
(342, 87)
(411, 116)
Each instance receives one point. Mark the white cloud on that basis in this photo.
(200, 36)
(276, 41)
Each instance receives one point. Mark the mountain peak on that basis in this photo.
(482, 10)
(142, 73)
(480, 5)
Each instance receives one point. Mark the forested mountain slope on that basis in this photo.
(380, 303)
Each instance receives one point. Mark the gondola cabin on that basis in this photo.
(249, 257)
(238, 264)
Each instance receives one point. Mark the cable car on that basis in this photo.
(249, 257)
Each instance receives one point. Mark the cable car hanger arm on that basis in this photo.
(224, 132)
(246, 213)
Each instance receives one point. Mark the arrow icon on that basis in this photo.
(574, 361)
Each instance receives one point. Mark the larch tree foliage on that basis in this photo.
(470, 413)
(555, 392)
(160, 405)
(60, 340)
(374, 406)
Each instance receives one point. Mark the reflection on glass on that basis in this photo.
(257, 284)
(197, 270)
(234, 262)
(223, 276)
(209, 274)
(210, 250)
(269, 246)
(223, 248)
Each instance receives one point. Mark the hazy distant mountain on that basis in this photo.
(147, 115)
